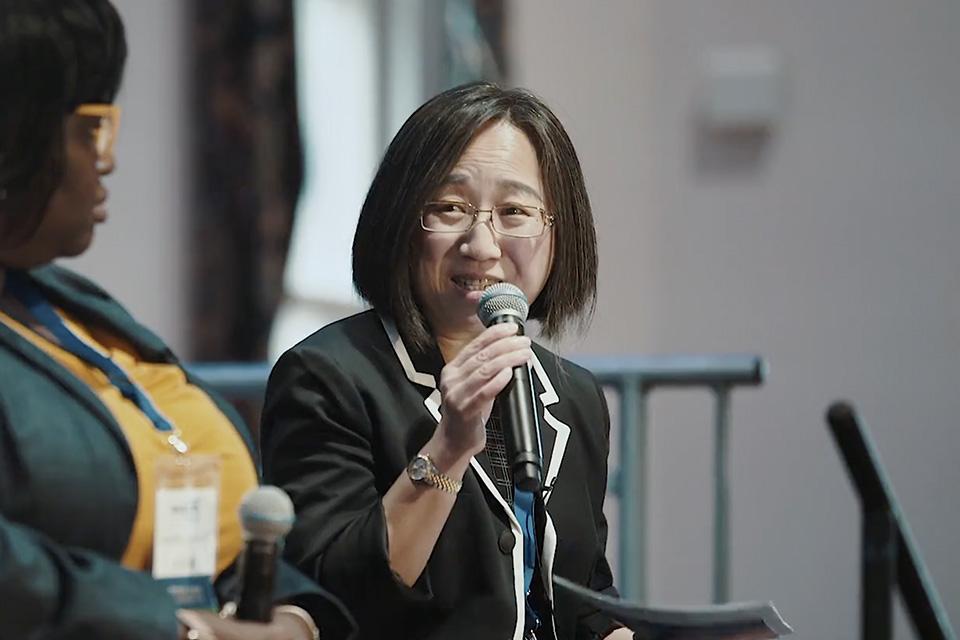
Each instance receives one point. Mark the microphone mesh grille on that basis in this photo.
(266, 513)
(501, 297)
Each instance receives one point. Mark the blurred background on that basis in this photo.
(768, 177)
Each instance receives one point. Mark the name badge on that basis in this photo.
(186, 528)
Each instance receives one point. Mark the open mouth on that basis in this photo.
(473, 284)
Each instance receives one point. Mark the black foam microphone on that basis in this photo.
(266, 516)
(504, 302)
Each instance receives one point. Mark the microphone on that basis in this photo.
(266, 516)
(504, 302)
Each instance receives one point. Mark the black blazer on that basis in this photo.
(346, 410)
(68, 492)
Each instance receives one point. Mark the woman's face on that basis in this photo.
(498, 167)
(76, 206)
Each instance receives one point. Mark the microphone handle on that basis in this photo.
(256, 585)
(518, 415)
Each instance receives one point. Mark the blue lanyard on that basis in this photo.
(523, 508)
(22, 289)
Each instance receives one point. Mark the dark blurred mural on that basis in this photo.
(248, 157)
(248, 172)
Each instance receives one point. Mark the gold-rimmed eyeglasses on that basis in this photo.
(512, 220)
(106, 128)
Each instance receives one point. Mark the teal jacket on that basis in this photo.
(68, 493)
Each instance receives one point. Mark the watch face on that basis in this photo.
(419, 468)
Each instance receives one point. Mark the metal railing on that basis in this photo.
(246, 380)
(632, 378)
(889, 555)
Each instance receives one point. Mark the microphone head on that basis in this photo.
(500, 299)
(266, 514)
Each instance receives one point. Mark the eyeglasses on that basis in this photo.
(512, 220)
(108, 124)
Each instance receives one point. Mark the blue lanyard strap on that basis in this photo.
(22, 289)
(523, 508)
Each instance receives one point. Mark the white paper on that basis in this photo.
(731, 621)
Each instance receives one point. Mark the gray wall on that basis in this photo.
(140, 255)
(833, 252)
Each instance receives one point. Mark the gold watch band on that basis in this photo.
(422, 470)
(445, 483)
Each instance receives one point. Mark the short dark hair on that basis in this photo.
(420, 157)
(54, 55)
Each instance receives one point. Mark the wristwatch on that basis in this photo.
(422, 471)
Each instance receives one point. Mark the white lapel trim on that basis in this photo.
(518, 593)
(432, 402)
(547, 398)
(546, 558)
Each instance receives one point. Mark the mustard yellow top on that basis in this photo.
(204, 428)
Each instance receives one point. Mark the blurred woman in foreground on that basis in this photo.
(120, 474)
